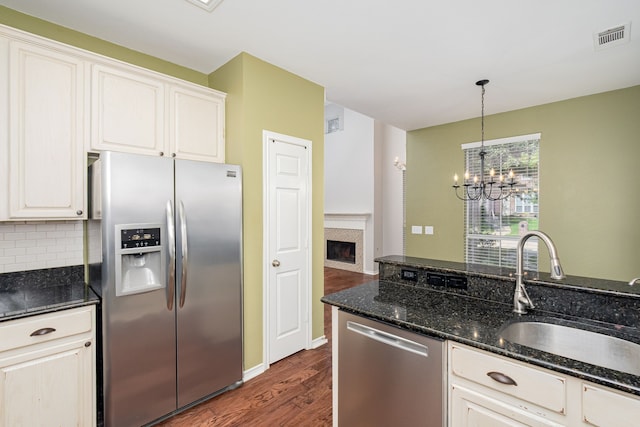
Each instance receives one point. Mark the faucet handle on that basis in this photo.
(633, 281)
(525, 299)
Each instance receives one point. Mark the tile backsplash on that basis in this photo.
(33, 245)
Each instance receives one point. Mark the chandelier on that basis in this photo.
(493, 188)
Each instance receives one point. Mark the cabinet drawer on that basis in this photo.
(43, 328)
(541, 388)
(606, 408)
(473, 408)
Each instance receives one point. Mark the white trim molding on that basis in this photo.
(355, 221)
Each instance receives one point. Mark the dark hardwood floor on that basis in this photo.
(295, 391)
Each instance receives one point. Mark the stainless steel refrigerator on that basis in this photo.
(165, 254)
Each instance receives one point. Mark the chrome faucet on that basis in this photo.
(521, 300)
(633, 281)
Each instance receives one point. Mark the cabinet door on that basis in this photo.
(608, 408)
(46, 151)
(47, 386)
(469, 408)
(4, 128)
(127, 111)
(197, 124)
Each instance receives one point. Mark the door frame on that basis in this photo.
(266, 237)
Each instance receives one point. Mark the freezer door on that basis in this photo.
(209, 287)
(138, 329)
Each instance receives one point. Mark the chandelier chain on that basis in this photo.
(482, 119)
(489, 189)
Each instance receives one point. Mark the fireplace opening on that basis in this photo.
(341, 251)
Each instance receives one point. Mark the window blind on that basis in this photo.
(492, 228)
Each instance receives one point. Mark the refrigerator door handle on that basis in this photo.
(185, 253)
(171, 231)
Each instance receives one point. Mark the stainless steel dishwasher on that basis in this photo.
(388, 376)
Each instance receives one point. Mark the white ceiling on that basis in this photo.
(407, 63)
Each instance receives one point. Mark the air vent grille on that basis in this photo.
(612, 36)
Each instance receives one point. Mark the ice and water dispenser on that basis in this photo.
(139, 258)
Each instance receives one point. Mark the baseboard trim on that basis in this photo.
(319, 342)
(254, 372)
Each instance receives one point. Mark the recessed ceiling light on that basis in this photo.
(207, 5)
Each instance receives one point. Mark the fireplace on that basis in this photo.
(341, 251)
(343, 248)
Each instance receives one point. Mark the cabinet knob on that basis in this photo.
(87, 344)
(173, 154)
(79, 212)
(161, 153)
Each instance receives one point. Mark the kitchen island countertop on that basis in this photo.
(477, 323)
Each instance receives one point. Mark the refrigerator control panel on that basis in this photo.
(139, 238)
(139, 259)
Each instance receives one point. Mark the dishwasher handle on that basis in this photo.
(389, 339)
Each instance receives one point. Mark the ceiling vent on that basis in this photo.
(612, 36)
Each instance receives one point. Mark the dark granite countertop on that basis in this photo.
(28, 293)
(478, 323)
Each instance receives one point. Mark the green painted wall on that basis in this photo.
(589, 168)
(52, 31)
(264, 97)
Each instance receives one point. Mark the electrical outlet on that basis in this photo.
(407, 274)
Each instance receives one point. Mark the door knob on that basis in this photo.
(275, 263)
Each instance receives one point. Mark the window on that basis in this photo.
(492, 228)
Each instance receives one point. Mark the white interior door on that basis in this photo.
(287, 247)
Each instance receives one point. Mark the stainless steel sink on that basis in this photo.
(578, 344)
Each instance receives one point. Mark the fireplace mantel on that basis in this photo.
(355, 221)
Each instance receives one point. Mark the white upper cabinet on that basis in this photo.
(138, 111)
(58, 102)
(45, 146)
(196, 126)
(127, 111)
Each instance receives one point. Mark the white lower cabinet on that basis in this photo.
(487, 390)
(471, 408)
(603, 407)
(47, 370)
